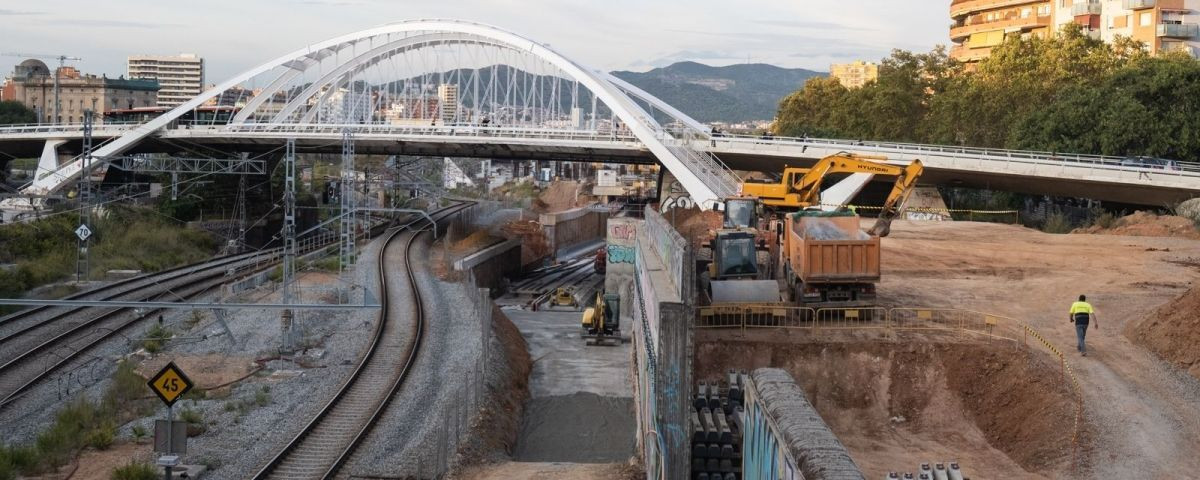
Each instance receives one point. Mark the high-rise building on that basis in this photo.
(1162, 25)
(854, 75)
(32, 84)
(448, 101)
(980, 25)
(180, 76)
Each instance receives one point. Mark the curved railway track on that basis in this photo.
(325, 444)
(39, 341)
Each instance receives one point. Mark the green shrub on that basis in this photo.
(101, 438)
(136, 471)
(262, 398)
(17, 459)
(138, 432)
(1106, 220)
(191, 416)
(156, 338)
(1057, 222)
(195, 421)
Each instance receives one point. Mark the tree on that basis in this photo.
(810, 110)
(12, 112)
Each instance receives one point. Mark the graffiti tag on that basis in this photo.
(620, 254)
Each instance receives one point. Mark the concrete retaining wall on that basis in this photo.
(785, 437)
(573, 227)
(663, 313)
(490, 265)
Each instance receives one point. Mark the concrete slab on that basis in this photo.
(581, 409)
(563, 365)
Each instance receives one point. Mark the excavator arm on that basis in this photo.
(802, 188)
(905, 183)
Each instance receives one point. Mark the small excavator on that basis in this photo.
(800, 188)
(601, 322)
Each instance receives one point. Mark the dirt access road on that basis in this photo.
(1143, 416)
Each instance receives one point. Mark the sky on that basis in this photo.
(234, 36)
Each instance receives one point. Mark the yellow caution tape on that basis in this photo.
(927, 209)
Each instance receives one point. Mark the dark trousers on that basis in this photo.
(1080, 332)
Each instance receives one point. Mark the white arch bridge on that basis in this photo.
(454, 88)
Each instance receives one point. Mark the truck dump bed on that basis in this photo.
(830, 247)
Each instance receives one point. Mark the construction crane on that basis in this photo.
(801, 187)
(62, 60)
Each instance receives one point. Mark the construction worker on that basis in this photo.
(1081, 315)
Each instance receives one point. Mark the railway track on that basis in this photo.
(36, 342)
(325, 444)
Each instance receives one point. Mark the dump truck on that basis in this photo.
(827, 259)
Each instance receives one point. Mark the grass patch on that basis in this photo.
(262, 397)
(1057, 222)
(156, 338)
(327, 264)
(78, 425)
(125, 238)
(136, 471)
(194, 420)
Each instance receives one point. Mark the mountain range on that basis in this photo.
(733, 93)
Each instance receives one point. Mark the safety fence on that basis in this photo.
(889, 322)
(934, 213)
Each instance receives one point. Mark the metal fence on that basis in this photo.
(890, 321)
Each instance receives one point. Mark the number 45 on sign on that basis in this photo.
(170, 384)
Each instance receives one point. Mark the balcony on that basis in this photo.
(1090, 8)
(960, 32)
(1137, 4)
(1178, 30)
(964, 54)
(959, 8)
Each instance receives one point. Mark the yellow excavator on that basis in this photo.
(800, 188)
(601, 321)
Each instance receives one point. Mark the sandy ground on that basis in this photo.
(581, 406)
(1143, 415)
(553, 471)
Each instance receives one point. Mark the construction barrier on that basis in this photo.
(955, 213)
(897, 319)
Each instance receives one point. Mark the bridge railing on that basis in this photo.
(1030, 156)
(432, 130)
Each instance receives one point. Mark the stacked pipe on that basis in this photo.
(718, 416)
(926, 471)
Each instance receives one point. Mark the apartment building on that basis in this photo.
(1162, 25)
(856, 74)
(980, 25)
(180, 76)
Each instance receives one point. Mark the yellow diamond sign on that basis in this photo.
(170, 383)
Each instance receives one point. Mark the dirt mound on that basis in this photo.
(1002, 412)
(494, 438)
(1172, 332)
(562, 195)
(473, 242)
(693, 224)
(1147, 224)
(534, 244)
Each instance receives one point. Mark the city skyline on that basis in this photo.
(781, 33)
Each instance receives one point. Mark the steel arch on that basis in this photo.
(705, 178)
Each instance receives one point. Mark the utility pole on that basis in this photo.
(291, 294)
(84, 232)
(62, 60)
(346, 192)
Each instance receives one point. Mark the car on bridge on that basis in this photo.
(1150, 162)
